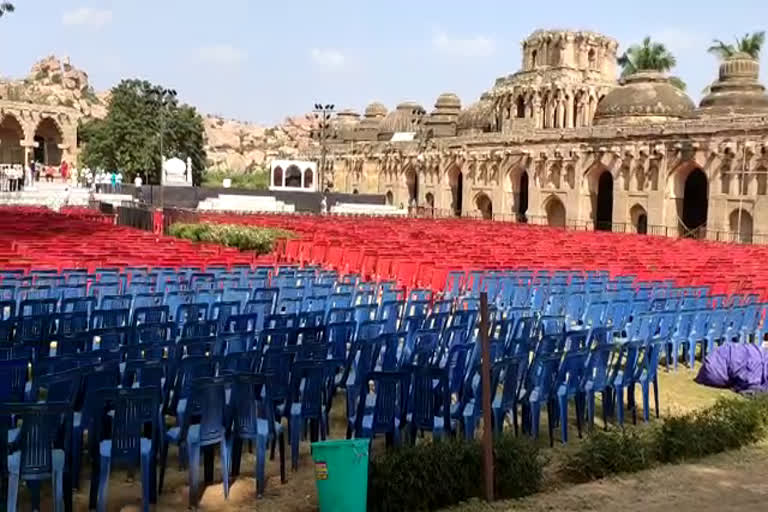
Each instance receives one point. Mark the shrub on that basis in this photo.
(440, 474)
(730, 423)
(245, 238)
(605, 453)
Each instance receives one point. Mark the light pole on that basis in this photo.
(322, 114)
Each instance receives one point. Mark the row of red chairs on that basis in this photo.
(36, 238)
(421, 252)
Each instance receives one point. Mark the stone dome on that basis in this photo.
(448, 101)
(646, 96)
(402, 119)
(345, 123)
(737, 89)
(376, 109)
(477, 117)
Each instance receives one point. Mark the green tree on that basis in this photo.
(128, 138)
(649, 55)
(6, 7)
(751, 44)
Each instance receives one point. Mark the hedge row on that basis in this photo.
(730, 423)
(433, 475)
(245, 238)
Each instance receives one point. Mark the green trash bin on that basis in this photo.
(341, 474)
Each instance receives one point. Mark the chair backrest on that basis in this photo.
(430, 397)
(41, 425)
(308, 379)
(32, 307)
(233, 343)
(70, 305)
(13, 379)
(246, 322)
(154, 333)
(106, 318)
(62, 386)
(252, 402)
(340, 336)
(134, 409)
(391, 392)
(276, 366)
(337, 315)
(311, 319)
(68, 324)
(116, 302)
(207, 399)
(144, 300)
(151, 315)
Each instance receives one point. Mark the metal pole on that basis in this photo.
(486, 377)
(741, 188)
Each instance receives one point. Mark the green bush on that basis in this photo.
(245, 238)
(255, 179)
(440, 474)
(730, 423)
(606, 453)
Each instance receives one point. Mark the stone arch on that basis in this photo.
(484, 205)
(11, 137)
(694, 204)
(761, 176)
(390, 197)
(308, 177)
(604, 202)
(456, 184)
(520, 107)
(412, 184)
(293, 176)
(741, 225)
(355, 191)
(48, 137)
(639, 218)
(277, 177)
(523, 190)
(555, 212)
(535, 58)
(430, 199)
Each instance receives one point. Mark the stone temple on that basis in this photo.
(563, 142)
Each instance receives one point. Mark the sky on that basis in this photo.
(260, 61)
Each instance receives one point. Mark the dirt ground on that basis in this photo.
(730, 481)
(726, 482)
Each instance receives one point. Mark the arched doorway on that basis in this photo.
(695, 205)
(412, 181)
(555, 213)
(522, 198)
(485, 206)
(308, 175)
(520, 107)
(48, 138)
(741, 226)
(639, 219)
(390, 197)
(293, 176)
(11, 135)
(430, 199)
(604, 210)
(277, 177)
(456, 181)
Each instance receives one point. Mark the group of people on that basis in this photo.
(16, 177)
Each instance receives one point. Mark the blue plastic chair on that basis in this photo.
(207, 400)
(221, 311)
(511, 371)
(109, 318)
(38, 453)
(308, 401)
(540, 389)
(134, 409)
(429, 404)
(116, 302)
(597, 379)
(382, 406)
(254, 419)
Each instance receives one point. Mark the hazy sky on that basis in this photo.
(260, 61)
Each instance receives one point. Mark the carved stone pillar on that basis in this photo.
(569, 121)
(561, 113)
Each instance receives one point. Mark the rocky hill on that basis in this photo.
(232, 145)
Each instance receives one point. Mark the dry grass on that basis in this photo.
(738, 473)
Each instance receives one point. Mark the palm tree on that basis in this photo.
(649, 55)
(6, 7)
(751, 44)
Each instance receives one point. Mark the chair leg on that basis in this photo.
(564, 418)
(58, 488)
(656, 395)
(295, 435)
(147, 480)
(193, 457)
(104, 468)
(237, 449)
(282, 458)
(163, 460)
(551, 421)
(619, 396)
(261, 454)
(225, 466)
(646, 401)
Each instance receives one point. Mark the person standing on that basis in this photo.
(64, 169)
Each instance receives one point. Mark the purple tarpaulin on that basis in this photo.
(736, 366)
